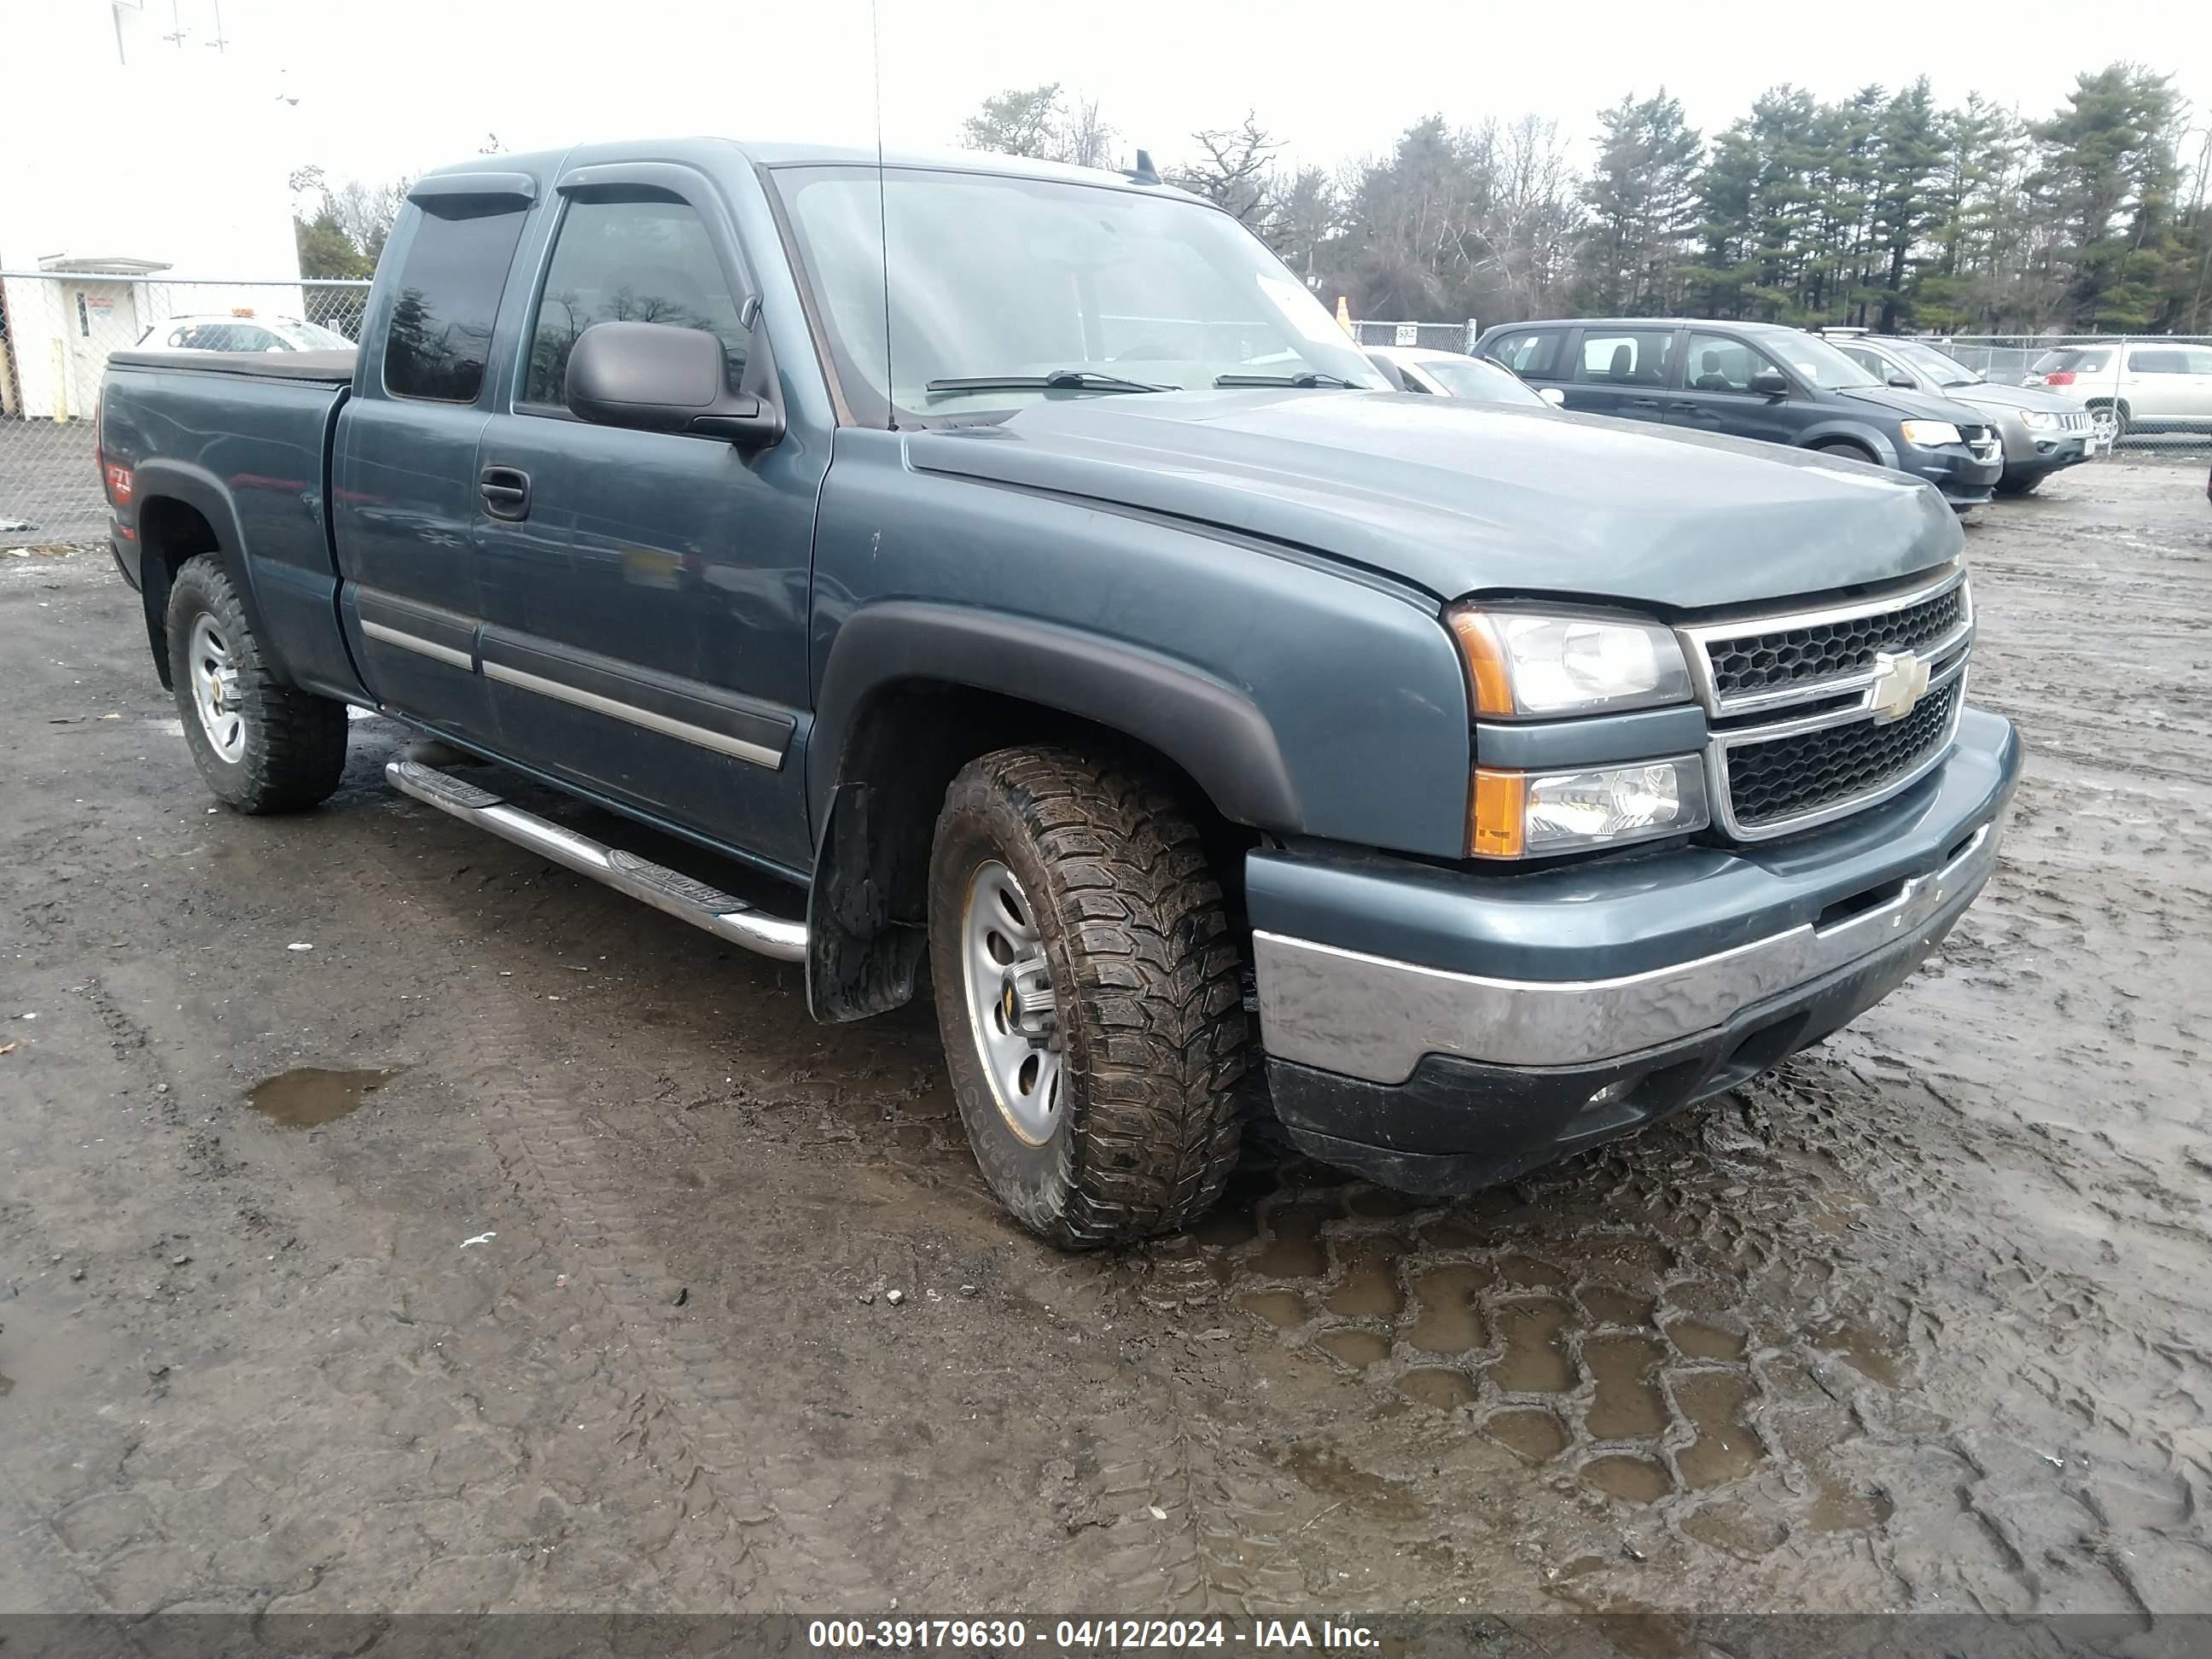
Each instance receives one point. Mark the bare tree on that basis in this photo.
(1236, 173)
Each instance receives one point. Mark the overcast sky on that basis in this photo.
(395, 85)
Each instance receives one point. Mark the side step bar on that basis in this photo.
(665, 889)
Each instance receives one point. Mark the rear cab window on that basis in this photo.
(1623, 357)
(450, 282)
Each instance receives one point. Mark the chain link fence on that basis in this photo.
(1430, 336)
(56, 329)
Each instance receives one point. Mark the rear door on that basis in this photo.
(2155, 384)
(404, 487)
(2197, 361)
(645, 593)
(1716, 394)
(1622, 372)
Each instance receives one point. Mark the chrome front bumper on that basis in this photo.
(1373, 1018)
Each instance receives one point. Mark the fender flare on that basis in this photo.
(1208, 727)
(200, 490)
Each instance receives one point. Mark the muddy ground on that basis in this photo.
(574, 1289)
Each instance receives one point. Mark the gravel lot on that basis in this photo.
(573, 1288)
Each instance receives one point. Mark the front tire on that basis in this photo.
(2015, 488)
(2108, 424)
(1089, 994)
(260, 745)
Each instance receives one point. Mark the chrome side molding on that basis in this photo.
(667, 890)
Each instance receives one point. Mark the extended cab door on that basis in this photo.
(645, 593)
(1622, 372)
(1717, 396)
(404, 496)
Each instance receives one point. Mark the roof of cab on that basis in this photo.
(709, 153)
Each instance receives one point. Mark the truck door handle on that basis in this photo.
(1643, 403)
(506, 492)
(1684, 406)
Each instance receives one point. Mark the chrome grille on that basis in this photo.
(1809, 721)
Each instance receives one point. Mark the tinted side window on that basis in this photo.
(449, 292)
(2157, 362)
(639, 261)
(1873, 362)
(1534, 356)
(1720, 364)
(1638, 357)
(2199, 360)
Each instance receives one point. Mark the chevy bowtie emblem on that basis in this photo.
(1899, 682)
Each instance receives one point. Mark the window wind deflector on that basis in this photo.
(1310, 378)
(482, 186)
(1061, 380)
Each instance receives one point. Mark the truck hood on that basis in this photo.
(1460, 497)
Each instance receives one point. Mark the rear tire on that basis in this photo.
(2108, 423)
(1090, 995)
(260, 745)
(2015, 488)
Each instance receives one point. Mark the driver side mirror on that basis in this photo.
(1900, 379)
(1553, 396)
(650, 377)
(1770, 383)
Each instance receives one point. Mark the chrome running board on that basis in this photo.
(668, 891)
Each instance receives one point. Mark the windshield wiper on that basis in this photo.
(1061, 380)
(1310, 378)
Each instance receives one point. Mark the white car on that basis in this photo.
(2147, 385)
(241, 331)
(1449, 375)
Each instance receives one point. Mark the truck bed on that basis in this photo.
(321, 367)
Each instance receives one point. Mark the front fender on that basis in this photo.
(1212, 730)
(1851, 431)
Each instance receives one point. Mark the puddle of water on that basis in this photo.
(1535, 1359)
(1725, 1449)
(1333, 1475)
(1227, 1226)
(1357, 1348)
(1284, 1308)
(1433, 1385)
(309, 1095)
(1628, 1404)
(1858, 1346)
(1537, 1436)
(1737, 1529)
(1381, 1202)
(1632, 1479)
(1526, 1273)
(1370, 1286)
(1294, 1251)
(1838, 1509)
(1608, 1305)
(1700, 1340)
(1450, 1321)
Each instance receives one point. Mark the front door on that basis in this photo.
(1716, 394)
(645, 593)
(1622, 372)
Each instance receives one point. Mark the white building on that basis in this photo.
(140, 146)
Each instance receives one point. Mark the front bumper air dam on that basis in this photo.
(1437, 1081)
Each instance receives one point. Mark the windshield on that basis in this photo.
(1086, 291)
(1816, 361)
(1944, 370)
(1470, 377)
(307, 336)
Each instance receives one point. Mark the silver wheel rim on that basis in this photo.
(1013, 1015)
(2105, 423)
(215, 690)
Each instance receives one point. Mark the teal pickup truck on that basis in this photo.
(1019, 566)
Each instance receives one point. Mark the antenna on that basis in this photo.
(882, 213)
(1144, 173)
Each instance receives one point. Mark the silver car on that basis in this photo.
(2042, 432)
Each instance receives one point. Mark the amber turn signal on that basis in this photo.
(1496, 817)
(1486, 662)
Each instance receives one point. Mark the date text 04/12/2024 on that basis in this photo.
(1084, 1636)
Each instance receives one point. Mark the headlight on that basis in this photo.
(1929, 434)
(1526, 663)
(2039, 418)
(1513, 815)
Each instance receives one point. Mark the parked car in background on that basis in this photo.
(1455, 374)
(2131, 385)
(2042, 431)
(1754, 380)
(241, 331)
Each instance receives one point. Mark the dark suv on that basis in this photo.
(1754, 380)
